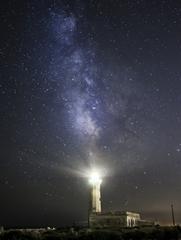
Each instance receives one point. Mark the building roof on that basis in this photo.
(118, 213)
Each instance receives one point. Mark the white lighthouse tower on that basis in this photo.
(95, 198)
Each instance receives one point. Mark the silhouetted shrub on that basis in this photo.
(51, 235)
(157, 233)
(165, 233)
(100, 235)
(17, 235)
(134, 235)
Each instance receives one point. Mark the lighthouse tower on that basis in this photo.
(95, 197)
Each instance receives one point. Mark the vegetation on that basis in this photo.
(154, 233)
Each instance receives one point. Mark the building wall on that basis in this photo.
(112, 220)
(132, 219)
(106, 221)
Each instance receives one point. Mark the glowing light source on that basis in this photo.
(95, 178)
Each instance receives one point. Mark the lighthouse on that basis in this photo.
(112, 219)
(95, 193)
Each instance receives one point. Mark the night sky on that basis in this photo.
(83, 85)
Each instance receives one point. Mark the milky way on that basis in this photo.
(89, 84)
(91, 110)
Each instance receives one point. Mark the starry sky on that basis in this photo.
(83, 85)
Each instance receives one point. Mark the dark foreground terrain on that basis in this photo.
(154, 233)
